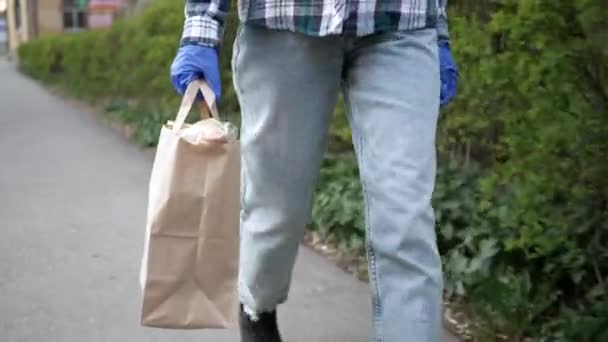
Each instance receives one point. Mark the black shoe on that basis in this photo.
(263, 329)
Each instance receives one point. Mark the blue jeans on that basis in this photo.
(287, 85)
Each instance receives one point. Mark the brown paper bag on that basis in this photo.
(190, 263)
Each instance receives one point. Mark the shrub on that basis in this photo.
(338, 205)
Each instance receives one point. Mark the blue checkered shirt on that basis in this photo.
(205, 19)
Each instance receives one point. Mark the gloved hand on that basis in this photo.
(196, 62)
(448, 72)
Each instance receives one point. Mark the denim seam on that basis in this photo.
(377, 307)
(370, 247)
(244, 298)
(235, 57)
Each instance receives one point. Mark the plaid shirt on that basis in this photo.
(205, 18)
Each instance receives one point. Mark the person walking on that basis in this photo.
(393, 63)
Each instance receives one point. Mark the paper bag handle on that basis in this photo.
(188, 100)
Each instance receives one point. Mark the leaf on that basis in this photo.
(488, 248)
(599, 290)
(474, 265)
(460, 289)
(447, 230)
(459, 263)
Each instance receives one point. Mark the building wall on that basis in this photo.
(50, 17)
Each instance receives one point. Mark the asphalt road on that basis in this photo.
(72, 212)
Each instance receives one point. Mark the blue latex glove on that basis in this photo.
(448, 72)
(196, 62)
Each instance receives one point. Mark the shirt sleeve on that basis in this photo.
(204, 24)
(442, 21)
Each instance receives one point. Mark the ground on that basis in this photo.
(72, 211)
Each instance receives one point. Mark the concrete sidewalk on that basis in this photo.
(72, 211)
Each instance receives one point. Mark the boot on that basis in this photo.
(262, 328)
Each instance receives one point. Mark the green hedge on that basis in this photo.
(522, 189)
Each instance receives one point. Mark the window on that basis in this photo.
(74, 15)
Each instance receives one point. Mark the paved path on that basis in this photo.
(72, 207)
